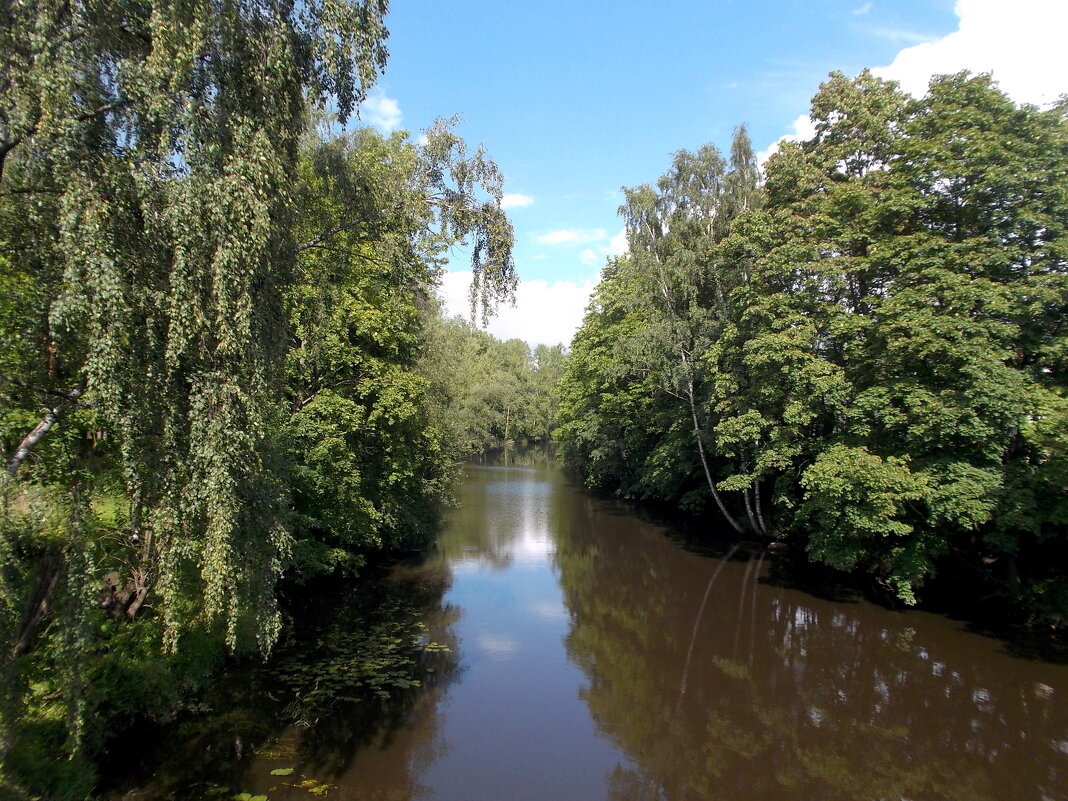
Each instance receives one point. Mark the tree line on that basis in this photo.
(860, 353)
(504, 392)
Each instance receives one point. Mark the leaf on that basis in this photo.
(282, 772)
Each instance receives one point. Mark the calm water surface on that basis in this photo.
(597, 658)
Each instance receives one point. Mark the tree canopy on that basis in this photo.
(869, 344)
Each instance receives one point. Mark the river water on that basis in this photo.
(594, 656)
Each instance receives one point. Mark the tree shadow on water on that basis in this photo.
(355, 664)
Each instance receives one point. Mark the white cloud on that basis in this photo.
(864, 9)
(548, 610)
(1020, 43)
(572, 236)
(544, 313)
(497, 646)
(617, 245)
(381, 111)
(802, 129)
(516, 201)
(900, 36)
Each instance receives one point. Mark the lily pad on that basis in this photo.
(282, 772)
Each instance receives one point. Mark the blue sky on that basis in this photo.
(575, 99)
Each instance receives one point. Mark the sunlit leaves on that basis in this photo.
(881, 344)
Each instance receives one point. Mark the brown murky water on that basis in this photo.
(600, 659)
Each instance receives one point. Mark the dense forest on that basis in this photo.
(223, 365)
(860, 353)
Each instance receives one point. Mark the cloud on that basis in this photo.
(381, 111)
(864, 9)
(516, 201)
(900, 36)
(1020, 43)
(572, 236)
(548, 610)
(802, 129)
(544, 313)
(617, 245)
(497, 646)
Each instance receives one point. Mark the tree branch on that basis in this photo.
(327, 235)
(41, 429)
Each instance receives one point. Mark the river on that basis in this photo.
(591, 654)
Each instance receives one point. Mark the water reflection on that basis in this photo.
(706, 679)
(719, 684)
(503, 523)
(593, 657)
(343, 673)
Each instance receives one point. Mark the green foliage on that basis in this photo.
(605, 400)
(668, 310)
(213, 340)
(491, 392)
(873, 355)
(372, 456)
(855, 505)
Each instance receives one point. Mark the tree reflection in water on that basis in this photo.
(704, 677)
(344, 678)
(720, 684)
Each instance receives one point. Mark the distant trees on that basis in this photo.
(496, 391)
(874, 337)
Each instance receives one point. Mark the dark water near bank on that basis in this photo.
(594, 657)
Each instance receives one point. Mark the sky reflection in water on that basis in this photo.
(601, 660)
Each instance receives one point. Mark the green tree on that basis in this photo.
(673, 232)
(161, 249)
(607, 403)
(891, 329)
(874, 341)
(372, 462)
(544, 406)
